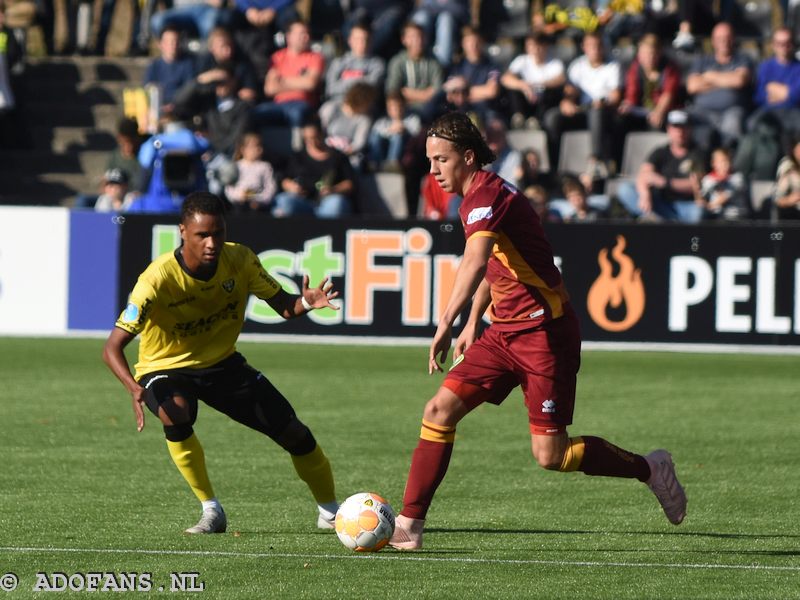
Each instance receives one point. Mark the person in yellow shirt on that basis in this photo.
(188, 307)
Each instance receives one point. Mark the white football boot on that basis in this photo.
(664, 484)
(407, 533)
(212, 521)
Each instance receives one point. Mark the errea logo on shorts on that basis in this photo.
(548, 406)
(476, 214)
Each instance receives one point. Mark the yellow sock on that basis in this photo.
(188, 456)
(573, 455)
(315, 470)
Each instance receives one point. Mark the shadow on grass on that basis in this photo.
(708, 534)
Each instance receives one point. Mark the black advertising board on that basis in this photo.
(715, 284)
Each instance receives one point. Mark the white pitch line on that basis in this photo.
(402, 556)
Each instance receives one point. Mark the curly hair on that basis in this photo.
(459, 130)
(204, 203)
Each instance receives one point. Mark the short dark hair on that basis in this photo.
(459, 130)
(204, 203)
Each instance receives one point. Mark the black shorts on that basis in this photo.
(231, 387)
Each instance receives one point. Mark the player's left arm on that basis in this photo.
(471, 329)
(468, 277)
(290, 306)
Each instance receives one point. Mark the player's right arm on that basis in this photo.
(114, 357)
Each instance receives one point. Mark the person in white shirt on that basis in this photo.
(535, 81)
(591, 97)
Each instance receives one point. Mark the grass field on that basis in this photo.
(81, 491)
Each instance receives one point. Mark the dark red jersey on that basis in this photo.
(526, 287)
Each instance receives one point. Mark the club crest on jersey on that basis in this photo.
(476, 214)
(228, 284)
(131, 314)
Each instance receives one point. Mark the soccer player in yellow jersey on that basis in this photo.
(188, 306)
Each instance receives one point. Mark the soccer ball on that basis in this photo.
(365, 522)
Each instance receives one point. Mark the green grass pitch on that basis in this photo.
(81, 491)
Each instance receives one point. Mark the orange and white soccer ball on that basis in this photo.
(365, 522)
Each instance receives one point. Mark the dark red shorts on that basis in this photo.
(544, 361)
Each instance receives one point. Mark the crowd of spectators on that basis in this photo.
(357, 88)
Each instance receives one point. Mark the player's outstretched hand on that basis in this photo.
(320, 296)
(464, 340)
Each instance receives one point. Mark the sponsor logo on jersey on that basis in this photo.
(228, 284)
(476, 214)
(131, 314)
(548, 406)
(536, 313)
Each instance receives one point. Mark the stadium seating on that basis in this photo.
(761, 192)
(575, 151)
(525, 139)
(382, 194)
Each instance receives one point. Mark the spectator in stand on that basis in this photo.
(454, 96)
(256, 22)
(125, 156)
(481, 73)
(579, 210)
(564, 18)
(721, 193)
(719, 86)
(225, 115)
(171, 70)
(760, 150)
(591, 98)
(787, 189)
(221, 51)
(348, 125)
(190, 16)
(318, 181)
(540, 201)
(293, 80)
(417, 76)
(11, 54)
(390, 134)
(529, 173)
(652, 88)
(663, 188)
(778, 83)
(115, 197)
(384, 18)
(508, 161)
(621, 18)
(441, 20)
(255, 186)
(356, 65)
(535, 81)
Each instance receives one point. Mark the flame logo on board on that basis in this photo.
(608, 291)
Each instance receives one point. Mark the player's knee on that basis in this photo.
(296, 438)
(549, 458)
(178, 433)
(438, 410)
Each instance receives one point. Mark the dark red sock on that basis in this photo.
(428, 466)
(603, 458)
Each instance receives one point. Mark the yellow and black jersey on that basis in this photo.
(188, 322)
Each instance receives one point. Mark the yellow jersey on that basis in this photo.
(188, 322)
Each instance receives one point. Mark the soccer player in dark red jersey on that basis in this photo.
(533, 341)
(189, 306)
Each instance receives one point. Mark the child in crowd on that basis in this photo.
(256, 185)
(721, 192)
(115, 197)
(540, 201)
(579, 210)
(787, 189)
(389, 134)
